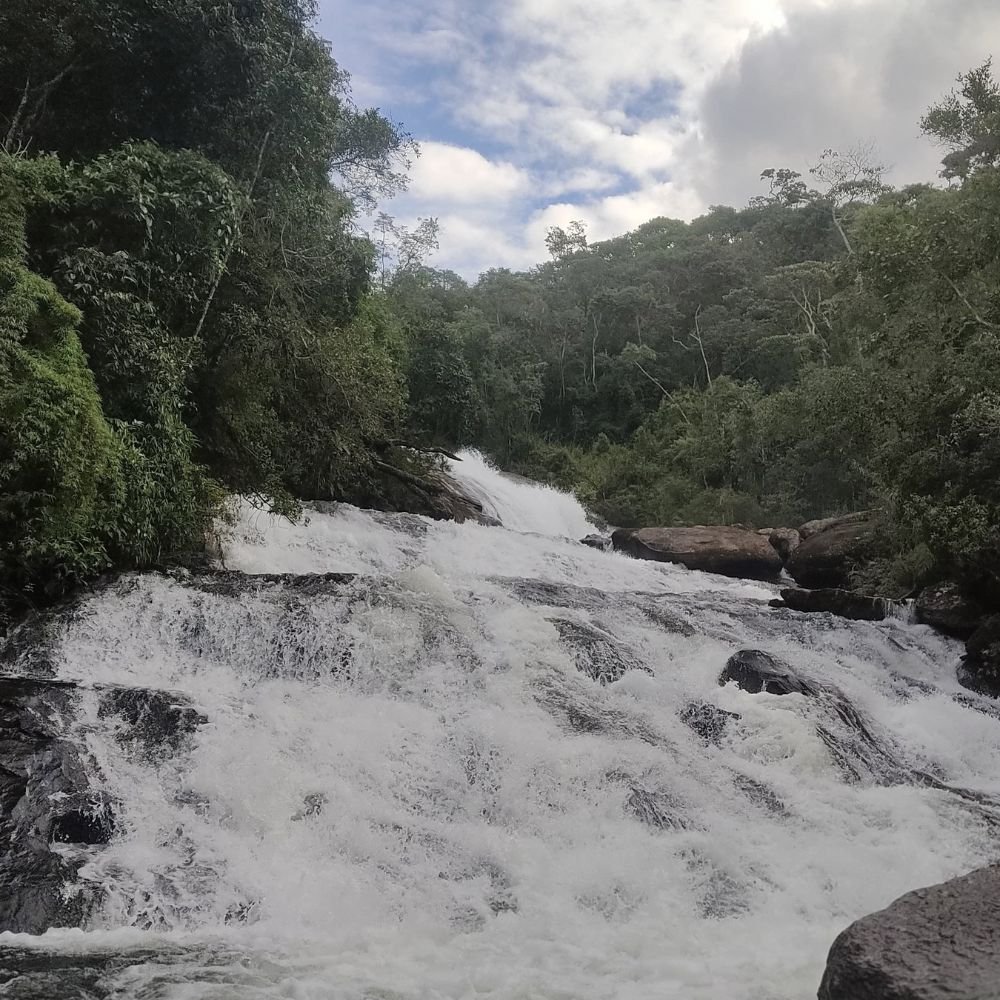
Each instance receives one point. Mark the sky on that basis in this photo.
(532, 113)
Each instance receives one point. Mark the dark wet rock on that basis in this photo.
(843, 603)
(46, 799)
(600, 542)
(821, 524)
(597, 653)
(558, 595)
(709, 722)
(829, 554)
(859, 752)
(760, 794)
(656, 809)
(947, 608)
(666, 618)
(153, 723)
(312, 805)
(938, 943)
(720, 893)
(52, 810)
(586, 714)
(754, 671)
(429, 492)
(93, 826)
(784, 541)
(715, 549)
(980, 668)
(36, 974)
(231, 583)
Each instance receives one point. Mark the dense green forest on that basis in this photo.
(189, 308)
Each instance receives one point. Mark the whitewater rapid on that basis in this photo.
(408, 786)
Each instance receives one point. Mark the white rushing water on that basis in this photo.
(406, 788)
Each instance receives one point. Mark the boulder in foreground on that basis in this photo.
(716, 549)
(938, 943)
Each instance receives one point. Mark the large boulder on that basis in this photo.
(46, 799)
(828, 554)
(54, 814)
(784, 541)
(814, 527)
(843, 603)
(947, 608)
(755, 671)
(717, 549)
(980, 669)
(939, 943)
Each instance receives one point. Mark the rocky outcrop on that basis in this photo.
(821, 524)
(755, 671)
(858, 750)
(938, 943)
(947, 608)
(980, 668)
(830, 550)
(717, 549)
(598, 542)
(51, 812)
(784, 541)
(45, 799)
(596, 652)
(448, 501)
(843, 603)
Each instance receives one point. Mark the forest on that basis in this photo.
(190, 308)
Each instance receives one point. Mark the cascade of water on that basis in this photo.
(496, 763)
(521, 505)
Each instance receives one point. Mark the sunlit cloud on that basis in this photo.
(535, 112)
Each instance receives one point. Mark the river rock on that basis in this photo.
(814, 527)
(45, 799)
(938, 943)
(980, 669)
(829, 553)
(716, 549)
(597, 542)
(754, 671)
(784, 541)
(842, 603)
(596, 652)
(945, 607)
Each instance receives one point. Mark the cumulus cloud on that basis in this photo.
(535, 112)
(444, 174)
(830, 78)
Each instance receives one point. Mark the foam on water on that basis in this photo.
(407, 789)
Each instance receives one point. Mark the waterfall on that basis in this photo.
(467, 761)
(520, 504)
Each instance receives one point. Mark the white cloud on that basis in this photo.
(833, 77)
(617, 112)
(444, 174)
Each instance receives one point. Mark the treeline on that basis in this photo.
(832, 346)
(185, 303)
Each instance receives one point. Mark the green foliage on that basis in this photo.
(185, 300)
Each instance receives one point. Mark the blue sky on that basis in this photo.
(531, 113)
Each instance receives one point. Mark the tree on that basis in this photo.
(967, 123)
